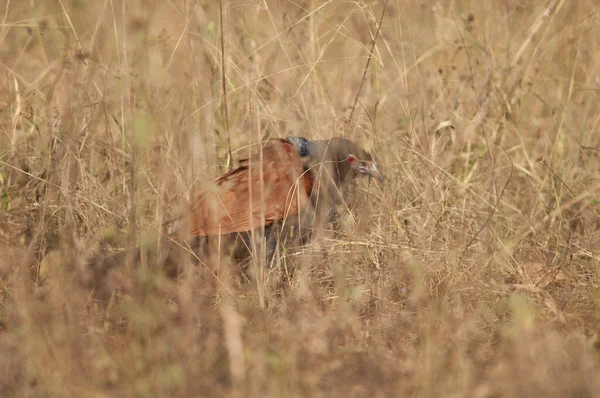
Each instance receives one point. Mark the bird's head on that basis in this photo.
(348, 158)
(364, 167)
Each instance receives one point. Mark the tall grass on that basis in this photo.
(472, 272)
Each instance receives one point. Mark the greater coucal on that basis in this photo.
(290, 185)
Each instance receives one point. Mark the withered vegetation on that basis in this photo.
(472, 272)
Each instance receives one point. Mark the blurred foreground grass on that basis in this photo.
(474, 272)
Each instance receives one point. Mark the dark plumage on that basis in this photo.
(289, 188)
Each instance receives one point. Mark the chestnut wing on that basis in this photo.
(248, 197)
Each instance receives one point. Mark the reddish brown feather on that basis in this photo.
(237, 204)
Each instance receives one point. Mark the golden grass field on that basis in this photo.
(472, 272)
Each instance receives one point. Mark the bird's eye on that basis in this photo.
(351, 159)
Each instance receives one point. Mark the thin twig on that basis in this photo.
(462, 39)
(585, 230)
(487, 221)
(224, 85)
(480, 106)
(364, 76)
(74, 32)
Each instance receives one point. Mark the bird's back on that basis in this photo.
(268, 186)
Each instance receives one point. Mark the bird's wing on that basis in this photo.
(252, 196)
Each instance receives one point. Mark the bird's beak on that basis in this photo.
(371, 169)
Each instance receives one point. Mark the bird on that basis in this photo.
(282, 194)
(292, 184)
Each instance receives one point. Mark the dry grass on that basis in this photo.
(483, 114)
